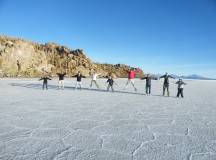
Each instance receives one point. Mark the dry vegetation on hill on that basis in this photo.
(24, 58)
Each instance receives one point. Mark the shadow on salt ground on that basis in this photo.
(164, 96)
(55, 87)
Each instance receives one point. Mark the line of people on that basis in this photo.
(110, 81)
(131, 80)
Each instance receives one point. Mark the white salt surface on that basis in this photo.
(95, 125)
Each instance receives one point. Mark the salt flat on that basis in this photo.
(95, 125)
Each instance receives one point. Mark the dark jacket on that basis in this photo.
(61, 76)
(166, 79)
(79, 77)
(110, 81)
(148, 80)
(45, 79)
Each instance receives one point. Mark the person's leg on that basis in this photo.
(146, 88)
(43, 86)
(46, 84)
(59, 84)
(149, 89)
(76, 85)
(96, 84)
(108, 87)
(93, 81)
(133, 84)
(182, 93)
(168, 93)
(127, 83)
(112, 88)
(62, 84)
(91, 84)
(164, 88)
(80, 84)
(178, 92)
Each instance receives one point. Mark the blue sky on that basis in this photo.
(175, 36)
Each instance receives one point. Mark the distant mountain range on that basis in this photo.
(193, 76)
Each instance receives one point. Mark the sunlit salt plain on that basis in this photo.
(70, 124)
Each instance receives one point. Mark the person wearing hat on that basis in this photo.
(180, 88)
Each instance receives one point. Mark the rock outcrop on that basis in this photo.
(20, 57)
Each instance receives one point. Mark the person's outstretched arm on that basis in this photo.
(177, 82)
(143, 78)
(99, 75)
(137, 71)
(154, 78)
(66, 75)
(40, 79)
(171, 77)
(162, 76)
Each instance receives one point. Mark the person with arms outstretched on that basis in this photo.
(79, 77)
(61, 80)
(94, 79)
(45, 82)
(180, 88)
(148, 79)
(110, 82)
(131, 75)
(166, 83)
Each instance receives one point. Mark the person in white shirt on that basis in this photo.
(94, 79)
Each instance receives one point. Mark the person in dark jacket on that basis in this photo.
(180, 88)
(110, 82)
(166, 83)
(79, 77)
(148, 79)
(61, 80)
(45, 82)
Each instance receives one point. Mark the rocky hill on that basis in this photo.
(24, 58)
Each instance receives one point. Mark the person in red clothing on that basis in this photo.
(131, 75)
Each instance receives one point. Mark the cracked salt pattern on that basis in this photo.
(95, 125)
